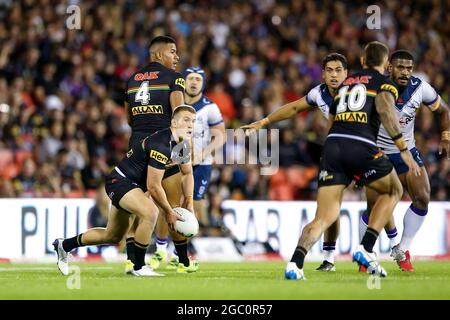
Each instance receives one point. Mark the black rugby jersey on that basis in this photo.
(148, 97)
(354, 106)
(158, 150)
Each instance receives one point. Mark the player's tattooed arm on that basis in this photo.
(385, 104)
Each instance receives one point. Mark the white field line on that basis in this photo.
(47, 268)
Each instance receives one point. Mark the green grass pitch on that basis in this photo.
(227, 281)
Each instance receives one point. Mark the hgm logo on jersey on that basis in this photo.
(180, 82)
(158, 156)
(158, 109)
(360, 117)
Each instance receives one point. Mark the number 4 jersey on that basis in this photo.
(148, 97)
(355, 115)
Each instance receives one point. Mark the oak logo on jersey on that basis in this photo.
(361, 79)
(130, 153)
(180, 82)
(390, 88)
(146, 76)
(158, 109)
(158, 156)
(360, 117)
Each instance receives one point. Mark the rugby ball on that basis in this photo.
(189, 227)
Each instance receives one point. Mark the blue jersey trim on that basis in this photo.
(215, 123)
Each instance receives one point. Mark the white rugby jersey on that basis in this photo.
(208, 115)
(416, 92)
(320, 96)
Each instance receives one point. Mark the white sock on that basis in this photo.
(291, 266)
(161, 244)
(393, 242)
(329, 255)
(363, 225)
(412, 221)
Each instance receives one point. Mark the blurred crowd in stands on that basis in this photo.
(62, 121)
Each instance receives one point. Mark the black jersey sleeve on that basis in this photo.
(158, 155)
(388, 86)
(177, 83)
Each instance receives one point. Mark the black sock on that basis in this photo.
(369, 239)
(130, 249)
(181, 248)
(139, 254)
(71, 243)
(299, 256)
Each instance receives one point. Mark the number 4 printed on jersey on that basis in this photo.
(143, 95)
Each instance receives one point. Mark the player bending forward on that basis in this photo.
(140, 170)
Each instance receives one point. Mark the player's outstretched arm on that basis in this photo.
(187, 185)
(284, 112)
(385, 104)
(154, 179)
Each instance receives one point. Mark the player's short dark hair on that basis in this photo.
(402, 54)
(183, 107)
(374, 53)
(161, 39)
(334, 57)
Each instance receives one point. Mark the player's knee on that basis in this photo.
(318, 223)
(148, 216)
(422, 200)
(112, 238)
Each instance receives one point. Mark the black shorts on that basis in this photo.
(344, 160)
(117, 186)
